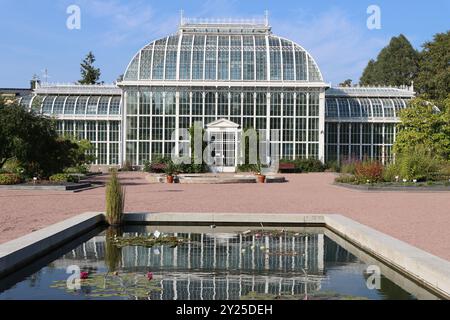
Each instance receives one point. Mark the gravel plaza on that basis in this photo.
(420, 219)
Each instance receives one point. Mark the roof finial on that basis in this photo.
(45, 75)
(266, 17)
(181, 17)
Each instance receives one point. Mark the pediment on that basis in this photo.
(222, 123)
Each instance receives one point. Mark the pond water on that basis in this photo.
(204, 263)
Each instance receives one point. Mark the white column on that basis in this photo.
(123, 154)
(294, 125)
(268, 119)
(164, 139)
(108, 146)
(338, 147)
(361, 141)
(322, 125)
(308, 117)
(177, 123)
(281, 121)
(383, 148)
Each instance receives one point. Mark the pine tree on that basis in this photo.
(89, 74)
(396, 65)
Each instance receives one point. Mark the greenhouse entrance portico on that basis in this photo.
(223, 139)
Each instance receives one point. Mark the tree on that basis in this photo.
(89, 74)
(423, 125)
(347, 83)
(396, 65)
(369, 74)
(433, 79)
(33, 141)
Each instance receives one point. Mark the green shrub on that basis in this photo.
(192, 168)
(160, 164)
(390, 173)
(13, 166)
(83, 169)
(64, 178)
(369, 172)
(115, 200)
(247, 168)
(10, 179)
(306, 165)
(346, 178)
(444, 172)
(171, 169)
(418, 164)
(309, 165)
(349, 166)
(147, 166)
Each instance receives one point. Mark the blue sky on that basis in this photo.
(34, 34)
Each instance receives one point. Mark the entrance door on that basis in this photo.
(223, 139)
(224, 150)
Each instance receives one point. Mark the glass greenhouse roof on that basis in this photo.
(59, 105)
(211, 52)
(349, 108)
(405, 92)
(75, 100)
(376, 103)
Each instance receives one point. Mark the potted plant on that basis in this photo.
(259, 175)
(170, 171)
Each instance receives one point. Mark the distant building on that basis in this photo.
(228, 76)
(10, 94)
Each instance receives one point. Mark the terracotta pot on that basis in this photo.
(261, 178)
(170, 179)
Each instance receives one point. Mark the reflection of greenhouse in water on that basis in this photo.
(223, 266)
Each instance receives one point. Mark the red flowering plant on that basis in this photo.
(158, 167)
(369, 172)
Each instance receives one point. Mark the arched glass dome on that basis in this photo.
(212, 56)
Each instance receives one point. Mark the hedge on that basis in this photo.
(64, 178)
(10, 179)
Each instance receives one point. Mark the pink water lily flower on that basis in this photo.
(149, 276)
(84, 275)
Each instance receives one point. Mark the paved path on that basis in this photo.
(421, 219)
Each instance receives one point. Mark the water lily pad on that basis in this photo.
(131, 285)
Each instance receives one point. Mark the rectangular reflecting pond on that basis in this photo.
(206, 263)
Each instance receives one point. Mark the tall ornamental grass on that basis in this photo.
(115, 201)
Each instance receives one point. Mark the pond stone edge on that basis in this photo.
(429, 270)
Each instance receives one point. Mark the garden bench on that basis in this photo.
(286, 167)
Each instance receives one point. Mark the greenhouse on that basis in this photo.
(228, 76)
